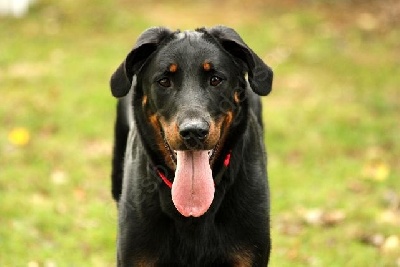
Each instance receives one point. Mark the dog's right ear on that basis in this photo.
(260, 75)
(147, 43)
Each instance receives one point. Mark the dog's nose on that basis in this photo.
(194, 130)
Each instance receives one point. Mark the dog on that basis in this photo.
(189, 164)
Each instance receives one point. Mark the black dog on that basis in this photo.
(189, 166)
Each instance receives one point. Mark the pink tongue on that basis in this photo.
(193, 186)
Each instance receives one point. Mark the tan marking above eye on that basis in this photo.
(173, 67)
(207, 66)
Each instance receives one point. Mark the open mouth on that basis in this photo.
(173, 153)
(193, 186)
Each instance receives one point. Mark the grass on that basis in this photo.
(332, 126)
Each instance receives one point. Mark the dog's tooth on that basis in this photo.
(210, 153)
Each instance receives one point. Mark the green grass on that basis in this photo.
(333, 132)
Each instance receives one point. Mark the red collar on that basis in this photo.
(227, 160)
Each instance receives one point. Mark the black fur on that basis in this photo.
(151, 232)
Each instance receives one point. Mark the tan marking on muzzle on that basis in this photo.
(155, 124)
(236, 98)
(144, 100)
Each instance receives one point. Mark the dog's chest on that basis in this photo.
(196, 246)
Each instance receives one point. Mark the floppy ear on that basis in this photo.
(259, 74)
(147, 43)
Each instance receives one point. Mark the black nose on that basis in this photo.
(194, 130)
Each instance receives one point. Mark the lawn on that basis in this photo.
(332, 125)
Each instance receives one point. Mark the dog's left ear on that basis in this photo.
(259, 74)
(147, 43)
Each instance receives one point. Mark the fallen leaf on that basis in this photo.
(50, 263)
(19, 136)
(320, 217)
(313, 216)
(392, 200)
(391, 244)
(33, 264)
(389, 217)
(59, 177)
(376, 170)
(288, 225)
(80, 194)
(39, 199)
(98, 148)
(293, 254)
(367, 22)
(358, 187)
(28, 70)
(375, 240)
(333, 217)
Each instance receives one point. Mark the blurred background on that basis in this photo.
(332, 124)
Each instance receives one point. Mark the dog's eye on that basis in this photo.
(164, 82)
(215, 80)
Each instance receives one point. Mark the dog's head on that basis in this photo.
(189, 98)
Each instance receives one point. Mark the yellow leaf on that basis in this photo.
(381, 171)
(19, 136)
(376, 170)
(392, 244)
